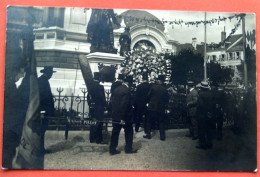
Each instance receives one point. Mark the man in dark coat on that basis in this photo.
(158, 99)
(191, 100)
(97, 102)
(117, 83)
(113, 87)
(46, 98)
(218, 101)
(122, 113)
(140, 101)
(205, 117)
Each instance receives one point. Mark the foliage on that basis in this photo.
(186, 66)
(219, 75)
(251, 66)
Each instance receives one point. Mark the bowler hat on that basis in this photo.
(97, 76)
(204, 84)
(128, 79)
(121, 76)
(190, 83)
(145, 77)
(161, 77)
(47, 69)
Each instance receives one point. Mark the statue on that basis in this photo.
(125, 42)
(100, 30)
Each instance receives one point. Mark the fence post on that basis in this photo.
(84, 91)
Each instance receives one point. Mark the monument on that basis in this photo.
(103, 55)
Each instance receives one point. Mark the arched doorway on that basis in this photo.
(144, 45)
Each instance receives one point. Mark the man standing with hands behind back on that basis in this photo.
(46, 99)
(158, 96)
(122, 116)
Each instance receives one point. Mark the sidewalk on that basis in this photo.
(177, 153)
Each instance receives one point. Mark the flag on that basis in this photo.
(251, 38)
(87, 73)
(29, 154)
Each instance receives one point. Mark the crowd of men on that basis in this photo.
(147, 102)
(130, 105)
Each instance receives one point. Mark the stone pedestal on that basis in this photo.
(107, 59)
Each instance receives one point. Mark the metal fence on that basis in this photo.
(76, 109)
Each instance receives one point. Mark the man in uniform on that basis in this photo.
(158, 99)
(122, 113)
(140, 101)
(46, 98)
(191, 100)
(98, 101)
(205, 117)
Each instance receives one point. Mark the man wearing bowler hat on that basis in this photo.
(158, 99)
(141, 101)
(205, 117)
(46, 98)
(97, 102)
(122, 116)
(191, 101)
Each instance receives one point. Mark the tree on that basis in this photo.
(251, 66)
(219, 75)
(186, 66)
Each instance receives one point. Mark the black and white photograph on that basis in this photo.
(124, 89)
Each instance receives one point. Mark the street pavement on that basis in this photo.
(177, 153)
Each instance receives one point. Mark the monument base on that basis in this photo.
(107, 59)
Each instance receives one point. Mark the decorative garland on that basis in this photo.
(231, 33)
(181, 22)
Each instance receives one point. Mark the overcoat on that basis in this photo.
(192, 100)
(141, 96)
(46, 98)
(122, 104)
(99, 100)
(158, 96)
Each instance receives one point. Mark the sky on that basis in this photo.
(184, 34)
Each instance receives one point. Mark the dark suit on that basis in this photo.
(218, 100)
(114, 86)
(46, 98)
(122, 110)
(141, 100)
(205, 118)
(46, 103)
(192, 99)
(158, 99)
(98, 100)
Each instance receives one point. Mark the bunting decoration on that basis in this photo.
(250, 37)
(181, 22)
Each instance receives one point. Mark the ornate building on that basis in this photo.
(62, 37)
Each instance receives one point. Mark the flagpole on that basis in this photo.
(205, 48)
(244, 51)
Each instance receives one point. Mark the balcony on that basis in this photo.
(230, 62)
(55, 38)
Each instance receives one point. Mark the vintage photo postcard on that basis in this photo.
(120, 89)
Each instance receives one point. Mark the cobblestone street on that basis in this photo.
(177, 153)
